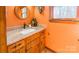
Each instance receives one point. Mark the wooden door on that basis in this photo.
(3, 46)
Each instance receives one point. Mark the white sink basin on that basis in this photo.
(26, 31)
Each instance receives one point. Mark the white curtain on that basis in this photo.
(65, 12)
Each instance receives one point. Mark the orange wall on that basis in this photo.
(42, 18)
(62, 37)
(11, 18)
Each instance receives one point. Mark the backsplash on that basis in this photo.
(13, 28)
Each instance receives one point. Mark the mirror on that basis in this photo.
(21, 12)
(40, 9)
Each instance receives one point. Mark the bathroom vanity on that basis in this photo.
(29, 40)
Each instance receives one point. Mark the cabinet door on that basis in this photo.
(20, 46)
(34, 49)
(22, 50)
(12, 48)
(31, 42)
(33, 46)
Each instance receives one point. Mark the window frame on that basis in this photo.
(52, 19)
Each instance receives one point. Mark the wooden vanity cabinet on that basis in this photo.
(32, 44)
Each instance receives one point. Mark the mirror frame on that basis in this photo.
(17, 9)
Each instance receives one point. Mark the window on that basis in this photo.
(60, 12)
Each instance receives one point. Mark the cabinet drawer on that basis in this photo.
(32, 43)
(36, 35)
(20, 50)
(20, 44)
(31, 38)
(12, 48)
(34, 49)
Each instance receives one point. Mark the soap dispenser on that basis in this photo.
(24, 26)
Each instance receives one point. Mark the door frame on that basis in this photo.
(3, 42)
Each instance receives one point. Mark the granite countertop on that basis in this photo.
(14, 35)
